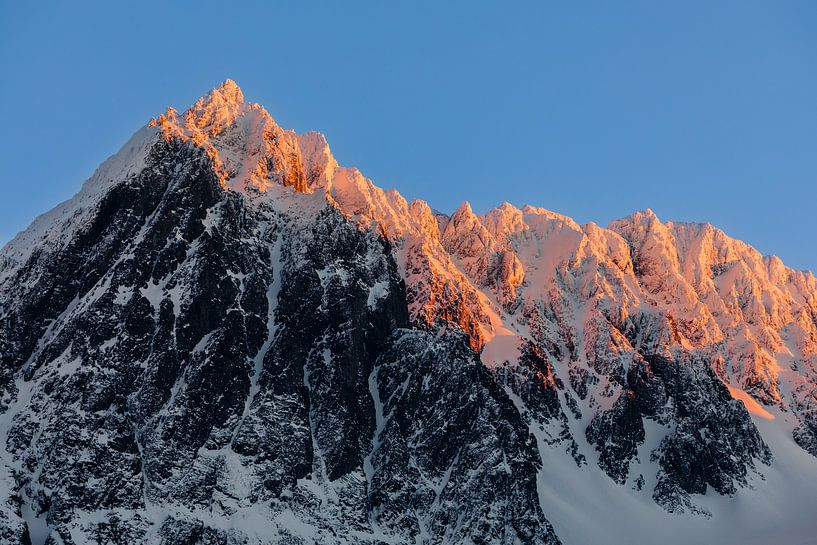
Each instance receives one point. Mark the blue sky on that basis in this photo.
(702, 111)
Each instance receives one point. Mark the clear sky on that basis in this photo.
(702, 111)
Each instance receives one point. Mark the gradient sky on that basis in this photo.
(702, 111)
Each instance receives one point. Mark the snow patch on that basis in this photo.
(754, 408)
(378, 291)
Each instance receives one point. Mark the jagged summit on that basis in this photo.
(645, 217)
(228, 94)
(229, 90)
(648, 213)
(209, 114)
(464, 209)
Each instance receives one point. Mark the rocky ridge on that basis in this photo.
(225, 325)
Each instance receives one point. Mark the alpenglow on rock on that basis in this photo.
(227, 338)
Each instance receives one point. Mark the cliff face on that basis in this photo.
(225, 337)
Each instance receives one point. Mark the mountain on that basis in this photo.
(225, 337)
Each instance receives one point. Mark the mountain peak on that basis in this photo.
(230, 90)
(647, 214)
(464, 209)
(541, 340)
(228, 93)
(224, 101)
(210, 114)
(643, 218)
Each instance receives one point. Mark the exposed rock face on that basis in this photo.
(451, 448)
(225, 337)
(712, 441)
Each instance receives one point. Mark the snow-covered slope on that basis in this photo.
(226, 337)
